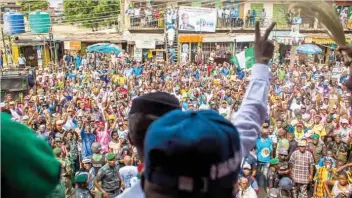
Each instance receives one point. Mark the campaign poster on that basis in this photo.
(195, 19)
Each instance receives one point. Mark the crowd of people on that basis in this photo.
(92, 110)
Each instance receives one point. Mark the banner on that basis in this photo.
(145, 44)
(197, 19)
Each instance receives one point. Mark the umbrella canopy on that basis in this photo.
(308, 49)
(104, 48)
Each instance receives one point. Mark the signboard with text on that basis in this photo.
(138, 54)
(72, 45)
(145, 44)
(195, 19)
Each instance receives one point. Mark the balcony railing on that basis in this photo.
(144, 22)
(239, 23)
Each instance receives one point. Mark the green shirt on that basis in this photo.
(109, 178)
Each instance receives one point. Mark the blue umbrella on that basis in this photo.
(308, 49)
(104, 48)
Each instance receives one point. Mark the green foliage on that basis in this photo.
(27, 6)
(92, 13)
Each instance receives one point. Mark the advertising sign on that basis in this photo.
(138, 54)
(72, 45)
(145, 44)
(195, 19)
(159, 56)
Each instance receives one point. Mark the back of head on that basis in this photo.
(145, 110)
(96, 147)
(191, 154)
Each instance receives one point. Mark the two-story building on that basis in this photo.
(220, 27)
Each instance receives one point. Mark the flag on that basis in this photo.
(245, 59)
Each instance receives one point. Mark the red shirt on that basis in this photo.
(210, 68)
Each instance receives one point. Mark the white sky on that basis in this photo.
(54, 3)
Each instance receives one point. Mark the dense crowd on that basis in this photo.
(81, 109)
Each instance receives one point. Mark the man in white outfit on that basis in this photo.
(248, 121)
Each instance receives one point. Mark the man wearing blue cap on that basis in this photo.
(144, 111)
(211, 145)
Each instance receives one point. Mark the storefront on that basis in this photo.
(242, 42)
(157, 55)
(35, 53)
(326, 44)
(188, 46)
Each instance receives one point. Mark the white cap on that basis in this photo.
(25, 117)
(246, 166)
(344, 121)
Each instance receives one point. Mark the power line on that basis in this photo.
(71, 21)
(101, 19)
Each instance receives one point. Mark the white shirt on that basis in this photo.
(169, 17)
(248, 120)
(126, 173)
(134, 192)
(21, 60)
(220, 12)
(137, 12)
(248, 193)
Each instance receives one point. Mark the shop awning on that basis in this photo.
(217, 38)
(244, 38)
(158, 38)
(322, 39)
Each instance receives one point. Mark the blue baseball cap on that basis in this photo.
(193, 152)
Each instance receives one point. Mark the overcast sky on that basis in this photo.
(53, 3)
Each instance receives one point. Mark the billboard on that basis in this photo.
(195, 19)
(72, 45)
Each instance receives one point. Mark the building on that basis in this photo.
(7, 5)
(234, 19)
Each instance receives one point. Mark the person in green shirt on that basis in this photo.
(28, 166)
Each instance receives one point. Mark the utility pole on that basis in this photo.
(51, 46)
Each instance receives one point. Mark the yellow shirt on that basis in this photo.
(115, 78)
(122, 80)
(184, 92)
(61, 85)
(319, 129)
(299, 135)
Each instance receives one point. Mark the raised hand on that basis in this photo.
(263, 48)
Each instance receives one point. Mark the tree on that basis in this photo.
(30, 5)
(92, 13)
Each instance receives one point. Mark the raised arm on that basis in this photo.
(253, 110)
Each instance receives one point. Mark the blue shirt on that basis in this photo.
(185, 106)
(234, 14)
(78, 61)
(225, 71)
(87, 141)
(68, 59)
(264, 149)
(138, 71)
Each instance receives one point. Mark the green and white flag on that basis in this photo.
(245, 59)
